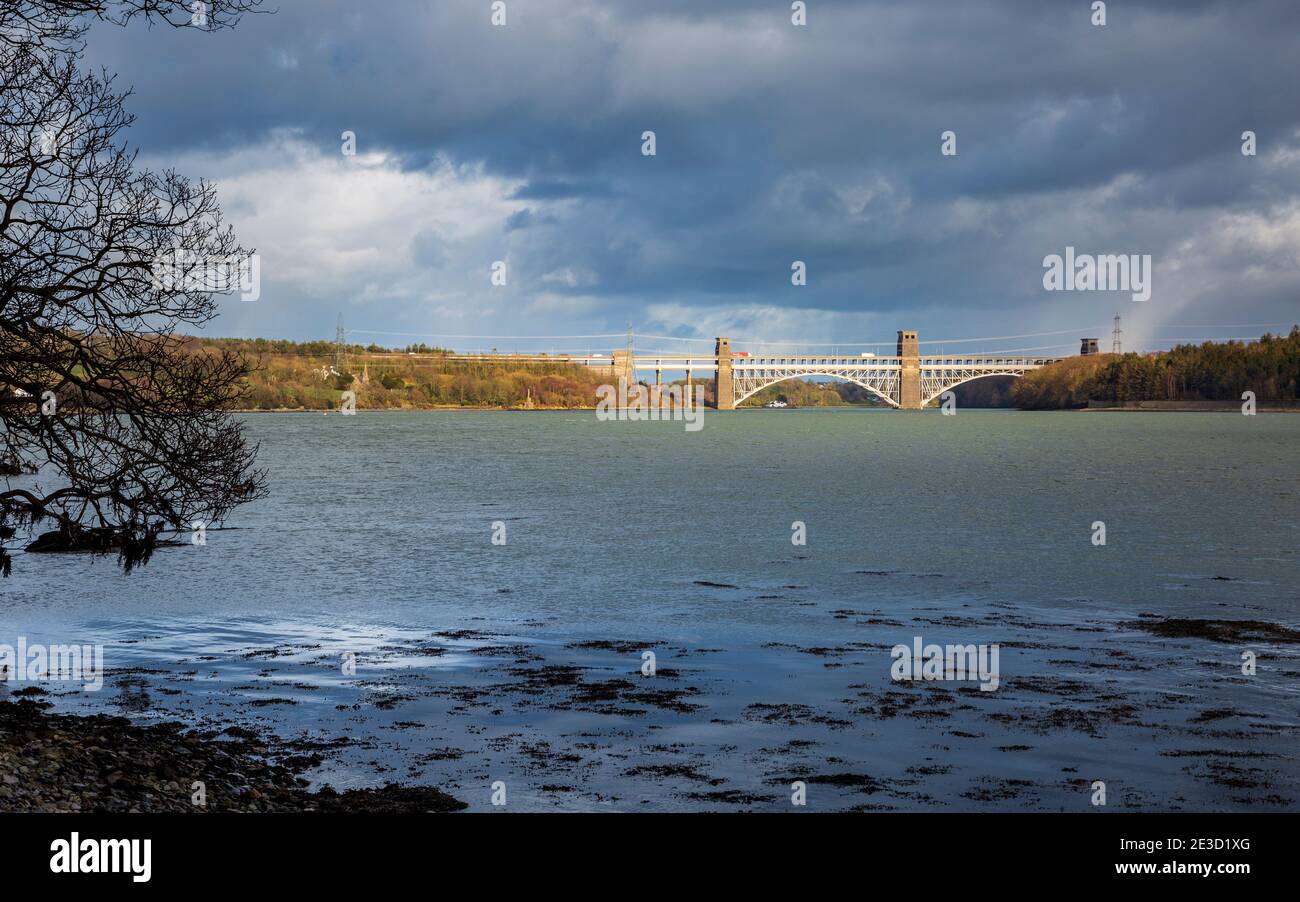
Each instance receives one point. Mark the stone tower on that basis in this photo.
(722, 385)
(909, 386)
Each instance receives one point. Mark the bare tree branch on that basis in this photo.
(64, 22)
(127, 424)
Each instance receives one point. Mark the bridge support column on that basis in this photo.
(624, 368)
(909, 383)
(722, 385)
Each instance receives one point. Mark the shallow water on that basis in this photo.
(520, 662)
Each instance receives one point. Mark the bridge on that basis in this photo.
(907, 380)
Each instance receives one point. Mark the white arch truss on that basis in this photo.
(934, 382)
(880, 376)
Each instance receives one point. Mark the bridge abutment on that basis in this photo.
(909, 382)
(723, 386)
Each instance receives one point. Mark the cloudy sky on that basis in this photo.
(775, 143)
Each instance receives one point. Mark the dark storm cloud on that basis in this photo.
(778, 143)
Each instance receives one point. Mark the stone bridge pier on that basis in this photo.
(909, 360)
(722, 376)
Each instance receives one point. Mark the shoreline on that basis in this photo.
(1268, 405)
(584, 730)
(1228, 407)
(467, 408)
(53, 762)
(1236, 410)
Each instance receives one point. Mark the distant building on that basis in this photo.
(1089, 347)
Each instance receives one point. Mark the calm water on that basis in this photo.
(974, 528)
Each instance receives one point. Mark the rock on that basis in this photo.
(60, 541)
(102, 763)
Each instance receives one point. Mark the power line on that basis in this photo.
(1006, 351)
(483, 337)
(759, 341)
(1008, 337)
(1230, 338)
(848, 342)
(1230, 326)
(773, 342)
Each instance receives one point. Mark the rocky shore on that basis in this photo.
(1167, 712)
(52, 762)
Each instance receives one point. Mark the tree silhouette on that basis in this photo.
(127, 431)
(61, 23)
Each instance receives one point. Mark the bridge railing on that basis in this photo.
(813, 362)
(960, 362)
(809, 362)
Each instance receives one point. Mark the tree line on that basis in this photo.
(1211, 371)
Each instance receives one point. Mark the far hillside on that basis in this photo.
(303, 376)
(805, 393)
(1213, 371)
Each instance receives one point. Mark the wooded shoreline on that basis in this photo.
(313, 376)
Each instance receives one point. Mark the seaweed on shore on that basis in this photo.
(65, 762)
(1234, 631)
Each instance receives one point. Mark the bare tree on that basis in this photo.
(129, 430)
(64, 22)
